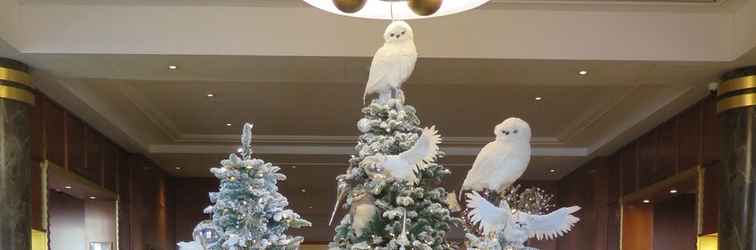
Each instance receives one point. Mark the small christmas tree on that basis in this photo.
(248, 212)
(379, 203)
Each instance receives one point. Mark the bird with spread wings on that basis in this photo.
(517, 227)
(405, 165)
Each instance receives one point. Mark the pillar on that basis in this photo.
(736, 101)
(16, 100)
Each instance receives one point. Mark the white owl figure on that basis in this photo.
(192, 245)
(393, 63)
(517, 226)
(502, 161)
(404, 165)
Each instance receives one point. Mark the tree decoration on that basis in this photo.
(532, 200)
(377, 197)
(349, 6)
(248, 212)
(425, 7)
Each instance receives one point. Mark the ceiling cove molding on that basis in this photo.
(338, 140)
(599, 111)
(150, 111)
(337, 150)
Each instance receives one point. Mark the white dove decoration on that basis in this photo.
(404, 165)
(393, 63)
(502, 161)
(518, 226)
(192, 245)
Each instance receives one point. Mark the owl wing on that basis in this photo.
(485, 162)
(381, 66)
(425, 148)
(489, 217)
(552, 225)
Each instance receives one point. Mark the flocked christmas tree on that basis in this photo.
(393, 180)
(248, 212)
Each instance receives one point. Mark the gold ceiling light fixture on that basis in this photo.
(395, 9)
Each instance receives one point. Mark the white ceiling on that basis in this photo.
(298, 73)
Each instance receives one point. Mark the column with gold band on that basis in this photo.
(16, 100)
(736, 101)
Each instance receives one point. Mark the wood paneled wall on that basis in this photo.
(689, 139)
(145, 203)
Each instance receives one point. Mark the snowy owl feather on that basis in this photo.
(552, 225)
(489, 217)
(502, 161)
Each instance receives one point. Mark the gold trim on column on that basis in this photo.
(738, 101)
(16, 94)
(15, 76)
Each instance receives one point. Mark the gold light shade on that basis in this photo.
(349, 6)
(425, 7)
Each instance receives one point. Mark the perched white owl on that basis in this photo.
(517, 226)
(404, 165)
(502, 161)
(393, 63)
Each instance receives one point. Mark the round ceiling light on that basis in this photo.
(401, 9)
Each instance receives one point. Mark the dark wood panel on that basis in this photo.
(689, 142)
(613, 227)
(109, 165)
(710, 220)
(675, 223)
(36, 125)
(710, 134)
(190, 201)
(94, 155)
(54, 132)
(629, 168)
(614, 185)
(637, 231)
(36, 196)
(647, 158)
(586, 187)
(667, 151)
(76, 145)
(124, 200)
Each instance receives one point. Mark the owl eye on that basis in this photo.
(404, 32)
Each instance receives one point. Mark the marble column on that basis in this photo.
(736, 101)
(16, 100)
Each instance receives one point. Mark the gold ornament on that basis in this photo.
(425, 7)
(349, 6)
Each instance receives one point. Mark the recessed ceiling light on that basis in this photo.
(210, 95)
(92, 197)
(172, 67)
(310, 207)
(239, 150)
(552, 171)
(293, 167)
(673, 191)
(303, 190)
(582, 72)
(68, 187)
(228, 124)
(178, 168)
(538, 98)
(646, 201)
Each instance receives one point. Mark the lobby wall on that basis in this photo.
(63, 140)
(688, 140)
